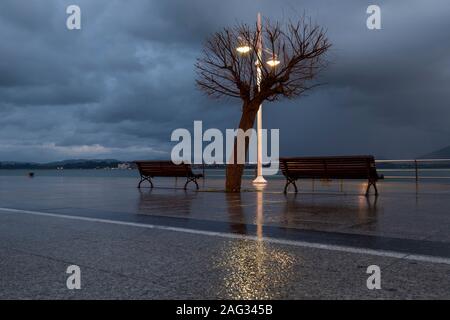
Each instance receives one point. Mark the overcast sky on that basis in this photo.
(120, 85)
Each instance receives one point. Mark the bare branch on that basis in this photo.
(300, 48)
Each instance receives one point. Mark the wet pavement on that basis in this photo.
(170, 243)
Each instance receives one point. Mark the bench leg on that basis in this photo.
(189, 180)
(376, 189)
(288, 182)
(374, 184)
(143, 178)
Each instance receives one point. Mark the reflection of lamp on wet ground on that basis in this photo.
(254, 270)
(259, 211)
(251, 268)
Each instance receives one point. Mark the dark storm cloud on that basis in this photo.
(118, 87)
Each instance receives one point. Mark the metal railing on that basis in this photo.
(416, 166)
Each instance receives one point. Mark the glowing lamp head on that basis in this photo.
(243, 49)
(273, 62)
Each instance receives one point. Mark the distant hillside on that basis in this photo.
(66, 164)
(443, 153)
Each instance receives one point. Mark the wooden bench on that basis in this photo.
(347, 167)
(150, 169)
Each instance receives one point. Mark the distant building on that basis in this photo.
(124, 166)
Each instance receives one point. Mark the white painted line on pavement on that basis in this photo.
(331, 247)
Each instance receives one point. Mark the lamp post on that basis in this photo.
(272, 63)
(259, 177)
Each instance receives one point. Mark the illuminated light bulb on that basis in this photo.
(273, 62)
(243, 49)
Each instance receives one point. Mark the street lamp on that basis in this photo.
(243, 49)
(273, 62)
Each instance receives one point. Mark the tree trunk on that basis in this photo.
(234, 170)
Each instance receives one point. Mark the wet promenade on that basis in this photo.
(171, 243)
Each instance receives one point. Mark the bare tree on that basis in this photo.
(223, 71)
